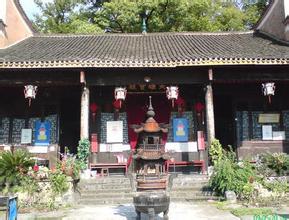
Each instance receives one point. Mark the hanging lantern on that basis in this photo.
(268, 89)
(172, 93)
(30, 92)
(120, 94)
(199, 107)
(93, 108)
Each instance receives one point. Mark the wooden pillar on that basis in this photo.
(210, 119)
(84, 111)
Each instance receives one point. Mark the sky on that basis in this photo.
(30, 8)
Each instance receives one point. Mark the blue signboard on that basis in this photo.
(181, 129)
(42, 133)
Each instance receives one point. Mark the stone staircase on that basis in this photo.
(118, 190)
(192, 187)
(105, 190)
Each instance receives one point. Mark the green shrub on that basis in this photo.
(277, 162)
(229, 175)
(216, 151)
(277, 186)
(58, 182)
(71, 166)
(13, 165)
(83, 152)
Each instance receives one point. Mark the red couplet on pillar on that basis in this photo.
(201, 140)
(94, 143)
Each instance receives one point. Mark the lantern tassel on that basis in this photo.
(93, 116)
(29, 102)
(269, 97)
(173, 103)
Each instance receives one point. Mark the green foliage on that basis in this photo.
(63, 16)
(92, 16)
(83, 152)
(253, 211)
(278, 186)
(71, 166)
(216, 151)
(229, 175)
(58, 182)
(254, 11)
(242, 211)
(28, 184)
(278, 162)
(248, 192)
(13, 165)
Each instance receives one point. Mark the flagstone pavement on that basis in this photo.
(178, 211)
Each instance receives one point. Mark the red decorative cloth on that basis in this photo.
(180, 102)
(137, 106)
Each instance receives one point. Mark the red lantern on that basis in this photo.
(172, 93)
(93, 108)
(117, 104)
(30, 92)
(120, 94)
(199, 107)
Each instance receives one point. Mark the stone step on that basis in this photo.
(191, 194)
(105, 180)
(190, 188)
(102, 201)
(107, 195)
(186, 182)
(97, 191)
(190, 177)
(194, 198)
(108, 186)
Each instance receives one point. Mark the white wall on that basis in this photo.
(286, 7)
(3, 10)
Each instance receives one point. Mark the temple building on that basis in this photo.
(58, 89)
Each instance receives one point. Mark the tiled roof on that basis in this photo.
(150, 50)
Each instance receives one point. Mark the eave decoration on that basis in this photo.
(30, 92)
(268, 89)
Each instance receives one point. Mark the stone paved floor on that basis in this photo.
(178, 211)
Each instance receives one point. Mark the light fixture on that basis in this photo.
(120, 94)
(147, 79)
(268, 89)
(172, 93)
(30, 92)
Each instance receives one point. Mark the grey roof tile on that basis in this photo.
(144, 50)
